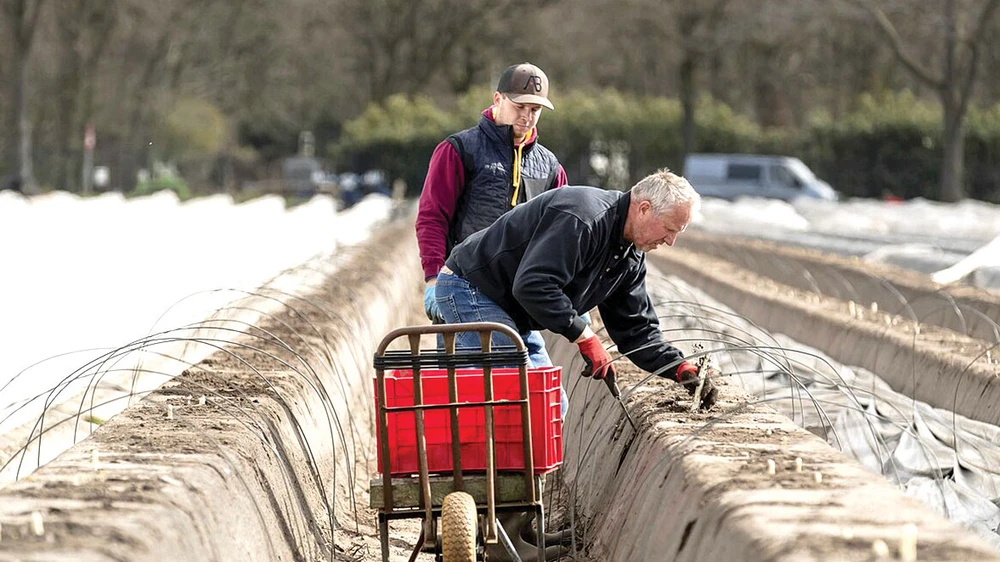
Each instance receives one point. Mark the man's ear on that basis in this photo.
(645, 207)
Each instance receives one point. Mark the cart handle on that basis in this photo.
(451, 329)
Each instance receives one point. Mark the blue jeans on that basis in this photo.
(460, 303)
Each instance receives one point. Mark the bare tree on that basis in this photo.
(990, 87)
(697, 27)
(21, 17)
(400, 46)
(155, 52)
(125, 64)
(84, 29)
(961, 36)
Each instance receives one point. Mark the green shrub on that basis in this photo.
(889, 144)
(982, 154)
(159, 183)
(398, 137)
(193, 129)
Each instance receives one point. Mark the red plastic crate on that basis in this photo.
(543, 400)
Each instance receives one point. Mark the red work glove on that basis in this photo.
(597, 358)
(687, 375)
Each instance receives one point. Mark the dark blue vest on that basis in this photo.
(488, 153)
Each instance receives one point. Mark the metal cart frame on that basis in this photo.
(520, 490)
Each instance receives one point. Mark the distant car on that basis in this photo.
(729, 176)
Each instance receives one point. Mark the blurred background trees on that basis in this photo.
(876, 95)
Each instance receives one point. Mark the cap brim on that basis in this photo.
(528, 98)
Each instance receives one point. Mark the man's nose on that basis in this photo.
(669, 240)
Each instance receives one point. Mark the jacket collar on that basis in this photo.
(621, 213)
(503, 133)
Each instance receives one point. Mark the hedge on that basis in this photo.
(887, 144)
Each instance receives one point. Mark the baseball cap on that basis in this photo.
(525, 83)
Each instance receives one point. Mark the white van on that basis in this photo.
(728, 176)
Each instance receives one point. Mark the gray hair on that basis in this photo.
(665, 190)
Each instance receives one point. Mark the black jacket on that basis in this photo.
(564, 252)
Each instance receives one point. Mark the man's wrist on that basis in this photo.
(587, 333)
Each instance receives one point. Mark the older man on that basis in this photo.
(543, 263)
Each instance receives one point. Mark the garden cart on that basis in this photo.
(463, 434)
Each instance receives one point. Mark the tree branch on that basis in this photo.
(29, 30)
(975, 41)
(983, 21)
(920, 71)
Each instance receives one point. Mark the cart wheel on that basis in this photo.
(458, 528)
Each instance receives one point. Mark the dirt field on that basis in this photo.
(279, 453)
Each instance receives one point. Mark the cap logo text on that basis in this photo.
(533, 80)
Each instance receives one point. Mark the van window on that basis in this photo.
(744, 172)
(783, 176)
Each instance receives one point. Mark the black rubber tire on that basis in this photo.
(458, 528)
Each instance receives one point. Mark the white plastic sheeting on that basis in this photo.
(82, 276)
(985, 261)
(949, 462)
(951, 241)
